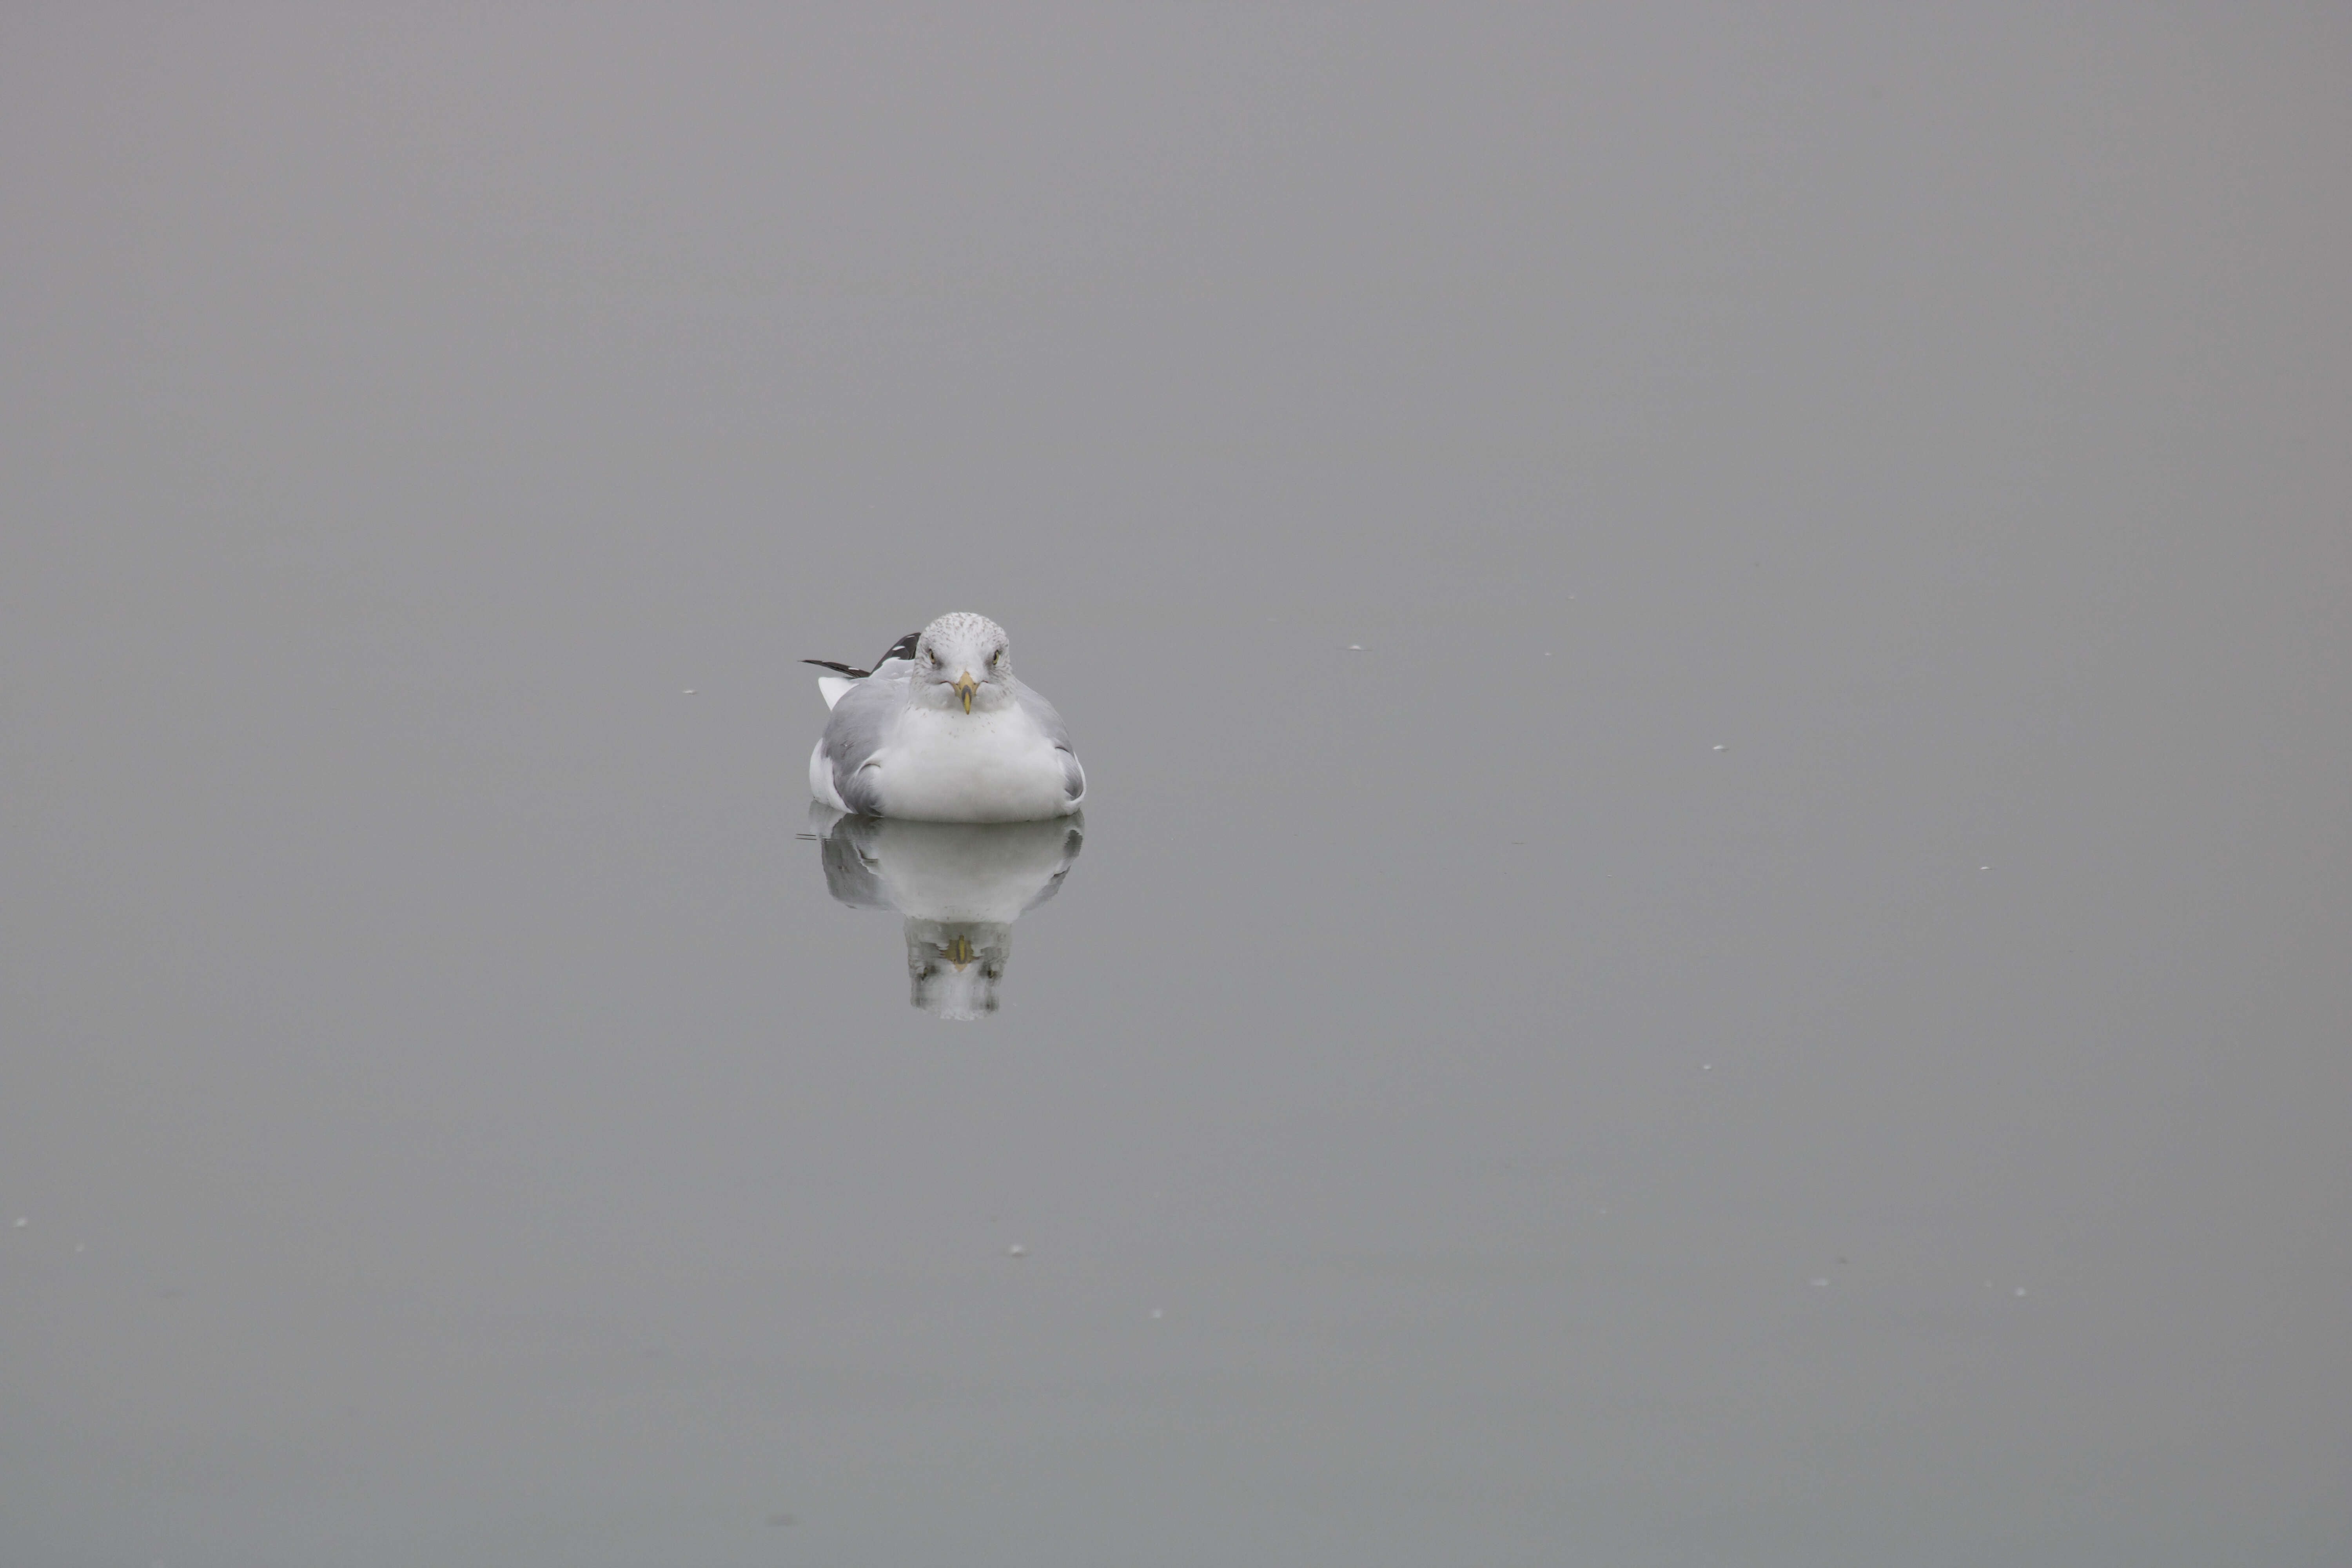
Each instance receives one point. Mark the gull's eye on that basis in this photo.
(996, 657)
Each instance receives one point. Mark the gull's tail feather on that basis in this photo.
(833, 686)
(903, 648)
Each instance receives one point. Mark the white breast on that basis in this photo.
(953, 766)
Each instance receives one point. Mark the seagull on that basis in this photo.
(942, 730)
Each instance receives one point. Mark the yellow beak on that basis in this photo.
(965, 686)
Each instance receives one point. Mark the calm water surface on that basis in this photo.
(1712, 655)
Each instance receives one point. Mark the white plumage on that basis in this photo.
(942, 730)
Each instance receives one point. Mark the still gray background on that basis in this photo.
(1787, 1007)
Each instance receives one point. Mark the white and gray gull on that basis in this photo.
(942, 731)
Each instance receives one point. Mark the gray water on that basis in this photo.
(1712, 653)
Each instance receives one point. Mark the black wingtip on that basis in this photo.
(903, 648)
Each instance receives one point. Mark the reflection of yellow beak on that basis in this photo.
(965, 686)
(959, 951)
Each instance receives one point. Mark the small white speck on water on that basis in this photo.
(1355, 647)
(1984, 867)
(1156, 1312)
(688, 692)
(1820, 1284)
(1707, 1066)
(80, 1247)
(1016, 1250)
(22, 1222)
(2020, 1290)
(1718, 748)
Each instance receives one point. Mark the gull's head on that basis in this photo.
(962, 661)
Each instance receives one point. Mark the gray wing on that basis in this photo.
(1074, 778)
(860, 724)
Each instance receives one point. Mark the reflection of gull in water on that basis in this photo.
(960, 885)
